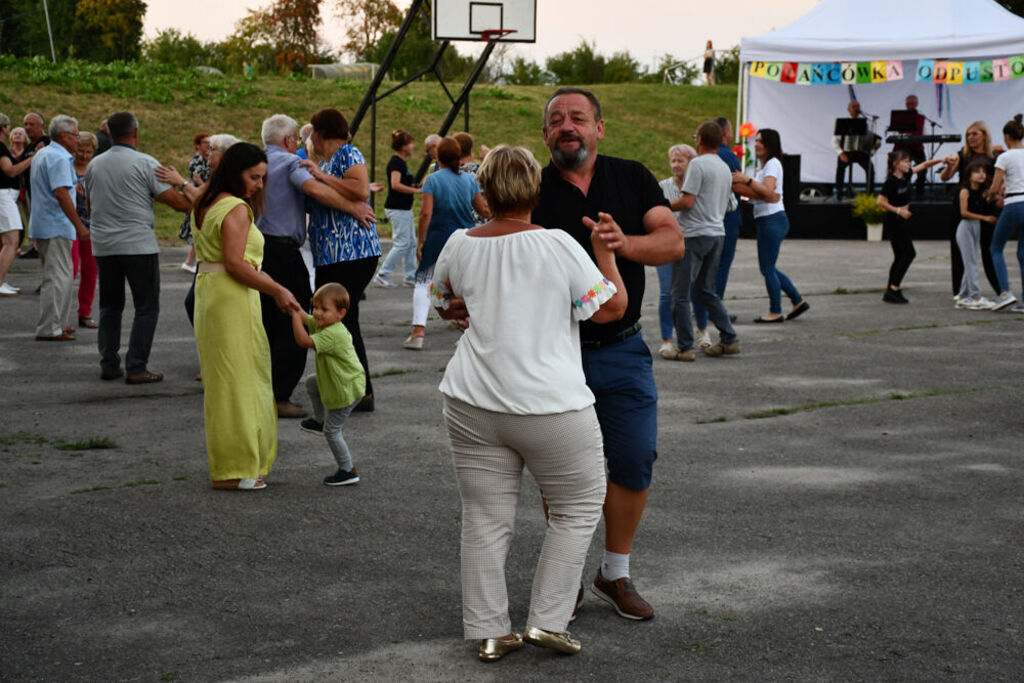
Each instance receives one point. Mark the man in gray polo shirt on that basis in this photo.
(706, 196)
(121, 185)
(283, 224)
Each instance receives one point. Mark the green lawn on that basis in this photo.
(642, 120)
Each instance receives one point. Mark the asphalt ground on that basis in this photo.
(841, 501)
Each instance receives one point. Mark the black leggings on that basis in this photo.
(903, 252)
(353, 276)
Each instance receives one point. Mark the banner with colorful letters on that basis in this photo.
(882, 71)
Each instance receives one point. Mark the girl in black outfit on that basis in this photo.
(895, 199)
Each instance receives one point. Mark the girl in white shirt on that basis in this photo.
(515, 395)
(1009, 175)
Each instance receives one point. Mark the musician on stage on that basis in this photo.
(915, 150)
(854, 149)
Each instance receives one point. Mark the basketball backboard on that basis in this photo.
(469, 19)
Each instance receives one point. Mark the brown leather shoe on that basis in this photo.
(621, 595)
(111, 373)
(288, 409)
(144, 377)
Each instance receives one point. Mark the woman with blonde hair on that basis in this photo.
(515, 397)
(977, 149)
(679, 157)
(10, 220)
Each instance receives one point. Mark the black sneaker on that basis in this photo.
(342, 478)
(894, 296)
(312, 426)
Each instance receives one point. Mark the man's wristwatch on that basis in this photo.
(181, 188)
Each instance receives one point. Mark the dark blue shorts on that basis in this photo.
(622, 380)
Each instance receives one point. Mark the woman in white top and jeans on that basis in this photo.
(765, 189)
(515, 395)
(1009, 174)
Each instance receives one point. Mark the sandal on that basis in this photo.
(240, 484)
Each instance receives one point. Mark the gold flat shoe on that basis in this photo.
(493, 649)
(561, 642)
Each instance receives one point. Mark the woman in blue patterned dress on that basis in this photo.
(344, 250)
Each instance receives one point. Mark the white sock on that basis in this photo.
(614, 566)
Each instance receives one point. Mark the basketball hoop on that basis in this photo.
(490, 35)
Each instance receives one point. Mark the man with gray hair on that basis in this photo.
(283, 224)
(122, 185)
(54, 224)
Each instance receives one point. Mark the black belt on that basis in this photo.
(615, 339)
(282, 241)
(1014, 194)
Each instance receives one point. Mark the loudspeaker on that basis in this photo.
(790, 180)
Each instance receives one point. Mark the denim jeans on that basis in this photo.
(1010, 224)
(403, 247)
(732, 236)
(696, 272)
(142, 271)
(333, 421)
(665, 299)
(771, 230)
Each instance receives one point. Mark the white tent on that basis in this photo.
(873, 30)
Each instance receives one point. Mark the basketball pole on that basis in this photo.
(371, 98)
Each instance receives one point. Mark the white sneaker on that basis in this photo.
(666, 347)
(985, 304)
(381, 282)
(7, 290)
(703, 339)
(1003, 300)
(974, 304)
(963, 303)
(1018, 308)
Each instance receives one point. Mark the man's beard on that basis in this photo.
(569, 160)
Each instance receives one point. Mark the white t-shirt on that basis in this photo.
(526, 293)
(1012, 163)
(771, 169)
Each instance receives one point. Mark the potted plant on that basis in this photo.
(866, 208)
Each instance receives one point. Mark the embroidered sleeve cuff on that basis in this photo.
(586, 305)
(439, 295)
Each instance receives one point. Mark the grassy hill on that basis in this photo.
(642, 120)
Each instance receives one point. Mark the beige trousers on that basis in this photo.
(564, 454)
(58, 286)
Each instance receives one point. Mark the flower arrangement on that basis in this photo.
(865, 207)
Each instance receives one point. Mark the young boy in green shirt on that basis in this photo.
(339, 383)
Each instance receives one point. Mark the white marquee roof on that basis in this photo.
(862, 30)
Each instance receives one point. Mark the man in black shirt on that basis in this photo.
(619, 199)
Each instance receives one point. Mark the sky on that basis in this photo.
(647, 29)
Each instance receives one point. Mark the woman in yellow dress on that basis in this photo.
(234, 356)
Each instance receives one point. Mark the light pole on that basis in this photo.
(53, 53)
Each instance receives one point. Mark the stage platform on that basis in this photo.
(822, 217)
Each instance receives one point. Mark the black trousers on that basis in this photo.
(861, 159)
(353, 276)
(283, 262)
(903, 251)
(142, 272)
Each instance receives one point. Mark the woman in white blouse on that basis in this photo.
(515, 395)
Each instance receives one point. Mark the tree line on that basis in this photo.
(283, 37)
